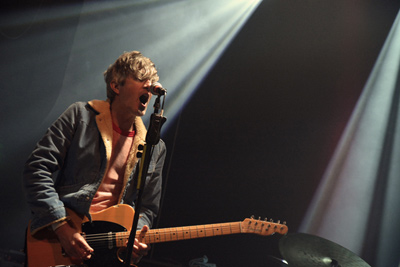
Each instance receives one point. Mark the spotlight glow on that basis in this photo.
(183, 38)
(356, 202)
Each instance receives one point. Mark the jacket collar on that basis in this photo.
(104, 117)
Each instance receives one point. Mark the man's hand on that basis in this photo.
(72, 241)
(140, 248)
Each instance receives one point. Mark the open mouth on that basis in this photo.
(144, 98)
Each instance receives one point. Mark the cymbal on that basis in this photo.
(305, 250)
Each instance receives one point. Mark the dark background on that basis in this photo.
(260, 131)
(256, 136)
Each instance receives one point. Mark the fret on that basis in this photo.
(201, 232)
(174, 234)
(120, 239)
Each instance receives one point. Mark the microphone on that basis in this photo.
(157, 89)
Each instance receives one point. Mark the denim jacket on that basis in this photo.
(68, 164)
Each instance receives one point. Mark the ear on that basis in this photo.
(114, 86)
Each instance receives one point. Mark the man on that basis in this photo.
(92, 150)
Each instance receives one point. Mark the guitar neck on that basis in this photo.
(190, 232)
(182, 233)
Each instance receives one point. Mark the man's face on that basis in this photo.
(134, 96)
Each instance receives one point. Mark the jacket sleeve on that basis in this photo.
(48, 157)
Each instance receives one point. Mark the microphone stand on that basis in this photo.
(152, 139)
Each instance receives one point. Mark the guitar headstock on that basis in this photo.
(263, 227)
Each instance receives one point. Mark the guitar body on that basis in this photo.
(44, 249)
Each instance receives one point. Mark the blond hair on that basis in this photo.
(129, 64)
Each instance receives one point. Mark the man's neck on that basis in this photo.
(121, 119)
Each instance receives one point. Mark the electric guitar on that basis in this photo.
(109, 231)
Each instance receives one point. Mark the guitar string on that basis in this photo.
(182, 229)
(170, 231)
(161, 235)
(167, 231)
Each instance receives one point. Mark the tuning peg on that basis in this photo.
(278, 222)
(140, 147)
(284, 223)
(252, 216)
(271, 220)
(139, 155)
(266, 219)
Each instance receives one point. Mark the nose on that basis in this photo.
(147, 84)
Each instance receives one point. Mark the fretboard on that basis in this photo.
(182, 233)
